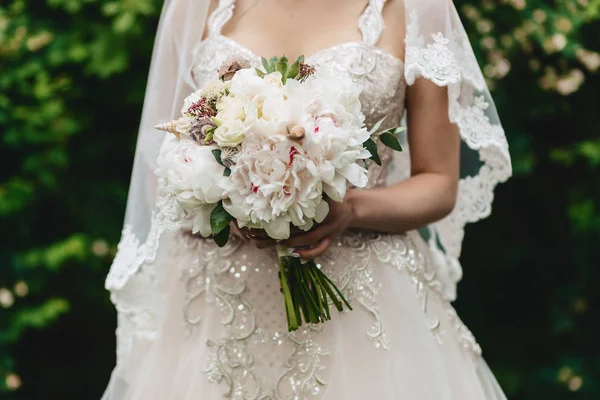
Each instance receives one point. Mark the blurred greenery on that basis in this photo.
(72, 78)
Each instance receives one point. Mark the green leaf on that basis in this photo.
(300, 59)
(219, 219)
(293, 71)
(210, 132)
(217, 154)
(260, 73)
(282, 67)
(124, 22)
(39, 317)
(272, 64)
(390, 141)
(227, 171)
(371, 146)
(222, 237)
(266, 64)
(376, 126)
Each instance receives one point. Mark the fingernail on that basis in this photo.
(295, 255)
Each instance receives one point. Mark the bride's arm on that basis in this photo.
(430, 193)
(427, 196)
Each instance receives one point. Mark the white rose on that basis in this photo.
(230, 108)
(230, 133)
(274, 79)
(183, 125)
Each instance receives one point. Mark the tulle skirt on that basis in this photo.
(215, 328)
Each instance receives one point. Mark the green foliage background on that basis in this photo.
(72, 77)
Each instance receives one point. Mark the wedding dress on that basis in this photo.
(201, 322)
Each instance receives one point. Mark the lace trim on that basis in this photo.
(220, 16)
(370, 22)
(131, 254)
(466, 338)
(435, 62)
(400, 252)
(357, 281)
(231, 362)
(450, 62)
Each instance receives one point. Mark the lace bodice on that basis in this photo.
(378, 73)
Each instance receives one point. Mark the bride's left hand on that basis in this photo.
(320, 238)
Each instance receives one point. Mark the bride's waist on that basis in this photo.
(351, 243)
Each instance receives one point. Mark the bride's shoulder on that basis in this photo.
(213, 6)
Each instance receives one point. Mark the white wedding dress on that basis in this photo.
(214, 325)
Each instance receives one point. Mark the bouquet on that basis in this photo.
(266, 147)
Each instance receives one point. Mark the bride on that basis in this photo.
(200, 322)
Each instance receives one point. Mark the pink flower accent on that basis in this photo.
(293, 152)
(305, 71)
(202, 108)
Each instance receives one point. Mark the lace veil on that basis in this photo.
(180, 29)
(437, 48)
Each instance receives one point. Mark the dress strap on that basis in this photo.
(220, 16)
(370, 22)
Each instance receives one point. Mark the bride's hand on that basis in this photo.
(320, 238)
(254, 236)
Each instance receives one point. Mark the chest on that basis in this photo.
(293, 27)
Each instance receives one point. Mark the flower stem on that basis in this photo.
(290, 313)
(306, 290)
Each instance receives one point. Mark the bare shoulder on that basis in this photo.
(213, 6)
(394, 19)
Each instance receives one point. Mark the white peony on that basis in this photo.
(230, 133)
(274, 183)
(191, 175)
